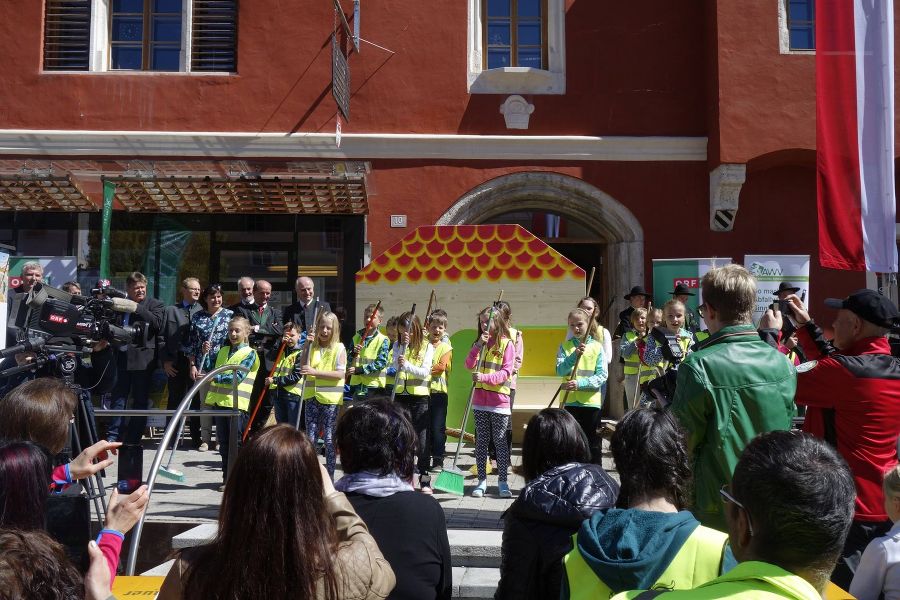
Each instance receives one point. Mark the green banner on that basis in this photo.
(667, 273)
(109, 192)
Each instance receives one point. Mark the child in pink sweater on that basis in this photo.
(491, 399)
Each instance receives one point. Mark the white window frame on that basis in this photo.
(784, 34)
(518, 80)
(99, 61)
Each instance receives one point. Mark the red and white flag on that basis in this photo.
(855, 134)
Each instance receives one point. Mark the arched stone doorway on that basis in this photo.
(617, 231)
(614, 226)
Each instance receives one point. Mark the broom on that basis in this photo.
(584, 338)
(168, 471)
(262, 394)
(452, 480)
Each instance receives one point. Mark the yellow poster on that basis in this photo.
(136, 587)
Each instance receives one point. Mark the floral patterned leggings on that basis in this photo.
(322, 417)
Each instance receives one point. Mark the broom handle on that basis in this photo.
(308, 345)
(590, 282)
(481, 357)
(262, 394)
(431, 298)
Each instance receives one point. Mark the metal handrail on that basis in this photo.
(169, 432)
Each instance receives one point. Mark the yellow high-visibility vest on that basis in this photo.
(220, 394)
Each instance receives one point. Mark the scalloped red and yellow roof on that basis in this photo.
(469, 253)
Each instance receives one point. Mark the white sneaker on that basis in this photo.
(479, 490)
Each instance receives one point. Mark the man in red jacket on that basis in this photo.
(851, 387)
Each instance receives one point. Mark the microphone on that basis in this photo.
(123, 305)
(29, 345)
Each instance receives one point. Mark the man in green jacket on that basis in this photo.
(732, 388)
(788, 509)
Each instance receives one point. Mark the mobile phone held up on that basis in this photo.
(131, 467)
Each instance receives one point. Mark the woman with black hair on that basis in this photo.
(561, 491)
(301, 539)
(649, 538)
(377, 444)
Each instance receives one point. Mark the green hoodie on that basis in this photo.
(629, 549)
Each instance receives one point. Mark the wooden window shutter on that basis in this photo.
(214, 36)
(67, 35)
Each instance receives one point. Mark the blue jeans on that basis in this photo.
(287, 406)
(223, 435)
(137, 385)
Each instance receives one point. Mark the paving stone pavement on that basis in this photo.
(197, 499)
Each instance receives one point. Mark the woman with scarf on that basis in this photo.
(377, 445)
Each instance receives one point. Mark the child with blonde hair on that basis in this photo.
(324, 366)
(220, 395)
(583, 397)
(491, 397)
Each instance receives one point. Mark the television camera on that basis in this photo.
(49, 321)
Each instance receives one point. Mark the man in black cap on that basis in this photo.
(638, 298)
(682, 293)
(852, 390)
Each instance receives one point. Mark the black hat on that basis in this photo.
(637, 290)
(786, 286)
(868, 305)
(682, 290)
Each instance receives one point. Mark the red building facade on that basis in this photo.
(652, 130)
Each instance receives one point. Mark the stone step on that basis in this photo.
(477, 548)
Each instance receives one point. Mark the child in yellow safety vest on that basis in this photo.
(440, 374)
(367, 371)
(324, 391)
(666, 347)
(221, 393)
(515, 336)
(583, 353)
(491, 397)
(592, 307)
(631, 349)
(287, 379)
(413, 360)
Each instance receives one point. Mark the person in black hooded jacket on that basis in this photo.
(561, 492)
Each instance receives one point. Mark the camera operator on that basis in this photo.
(732, 388)
(135, 363)
(32, 272)
(852, 391)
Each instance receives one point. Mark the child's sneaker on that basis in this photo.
(503, 490)
(479, 490)
(425, 485)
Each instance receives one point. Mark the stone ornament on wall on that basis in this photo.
(516, 111)
(725, 182)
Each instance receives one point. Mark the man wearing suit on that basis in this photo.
(246, 286)
(266, 335)
(303, 311)
(176, 347)
(135, 363)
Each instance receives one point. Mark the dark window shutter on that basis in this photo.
(67, 35)
(214, 36)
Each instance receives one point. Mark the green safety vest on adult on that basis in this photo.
(439, 383)
(325, 390)
(220, 394)
(633, 362)
(493, 362)
(407, 383)
(369, 355)
(699, 560)
(284, 367)
(587, 365)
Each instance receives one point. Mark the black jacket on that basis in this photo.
(153, 312)
(539, 525)
(297, 314)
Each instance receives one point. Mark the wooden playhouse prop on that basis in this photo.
(467, 266)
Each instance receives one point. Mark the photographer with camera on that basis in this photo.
(733, 387)
(136, 361)
(851, 389)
